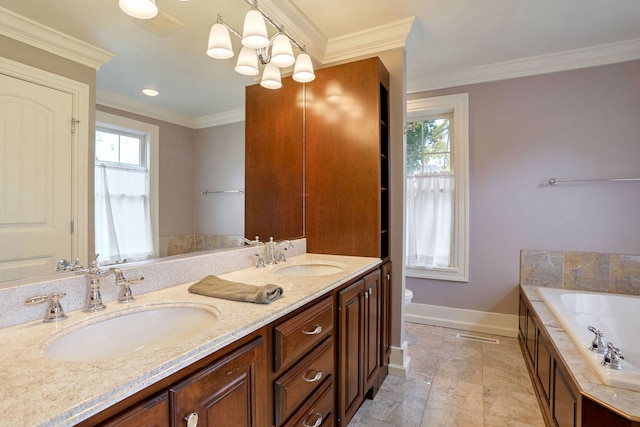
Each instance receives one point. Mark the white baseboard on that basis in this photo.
(467, 320)
(399, 360)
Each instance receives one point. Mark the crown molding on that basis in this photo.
(297, 25)
(30, 32)
(610, 53)
(225, 118)
(110, 99)
(373, 40)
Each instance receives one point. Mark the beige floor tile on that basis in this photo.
(449, 416)
(454, 382)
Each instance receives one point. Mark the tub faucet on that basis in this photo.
(612, 357)
(597, 345)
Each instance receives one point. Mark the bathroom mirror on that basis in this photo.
(230, 84)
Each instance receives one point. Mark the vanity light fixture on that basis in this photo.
(141, 9)
(150, 92)
(274, 53)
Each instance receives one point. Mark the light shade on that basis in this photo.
(247, 62)
(282, 52)
(254, 32)
(141, 9)
(303, 70)
(271, 77)
(219, 42)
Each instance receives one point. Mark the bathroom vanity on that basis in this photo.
(308, 358)
(569, 391)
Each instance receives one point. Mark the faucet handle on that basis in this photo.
(612, 357)
(54, 310)
(125, 294)
(259, 260)
(597, 345)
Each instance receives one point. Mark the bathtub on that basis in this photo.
(617, 316)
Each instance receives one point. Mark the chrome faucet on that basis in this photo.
(612, 357)
(245, 241)
(94, 297)
(597, 345)
(275, 255)
(66, 265)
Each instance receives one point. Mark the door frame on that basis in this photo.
(80, 93)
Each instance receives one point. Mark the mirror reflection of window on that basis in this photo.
(122, 196)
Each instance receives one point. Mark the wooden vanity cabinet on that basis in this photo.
(358, 344)
(385, 319)
(227, 388)
(304, 366)
(153, 412)
(230, 392)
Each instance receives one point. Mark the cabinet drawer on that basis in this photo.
(318, 411)
(296, 336)
(295, 386)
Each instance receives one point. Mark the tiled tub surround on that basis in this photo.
(624, 402)
(187, 243)
(37, 391)
(586, 271)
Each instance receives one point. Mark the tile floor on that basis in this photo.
(455, 383)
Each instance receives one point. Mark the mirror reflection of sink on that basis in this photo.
(310, 268)
(128, 332)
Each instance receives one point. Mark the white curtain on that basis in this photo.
(123, 214)
(430, 207)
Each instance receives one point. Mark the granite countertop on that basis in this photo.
(37, 391)
(625, 402)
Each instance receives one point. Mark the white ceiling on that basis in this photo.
(449, 38)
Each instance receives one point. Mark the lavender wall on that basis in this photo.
(571, 125)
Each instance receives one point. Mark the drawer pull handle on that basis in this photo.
(310, 417)
(316, 331)
(316, 377)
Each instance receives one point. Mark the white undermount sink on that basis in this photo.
(127, 332)
(310, 268)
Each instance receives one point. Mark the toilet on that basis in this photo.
(408, 296)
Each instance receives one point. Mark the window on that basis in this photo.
(436, 205)
(125, 189)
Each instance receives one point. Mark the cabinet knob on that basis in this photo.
(313, 420)
(366, 295)
(307, 376)
(315, 331)
(192, 419)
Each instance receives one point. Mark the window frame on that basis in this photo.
(151, 134)
(458, 106)
(142, 158)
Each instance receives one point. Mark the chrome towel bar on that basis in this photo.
(207, 192)
(556, 181)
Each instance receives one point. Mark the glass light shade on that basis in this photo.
(219, 42)
(141, 9)
(247, 62)
(271, 77)
(282, 52)
(254, 31)
(303, 70)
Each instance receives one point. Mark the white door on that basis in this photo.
(35, 178)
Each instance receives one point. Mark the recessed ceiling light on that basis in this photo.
(150, 92)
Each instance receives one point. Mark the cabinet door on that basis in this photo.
(371, 330)
(150, 413)
(564, 401)
(230, 392)
(274, 157)
(351, 345)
